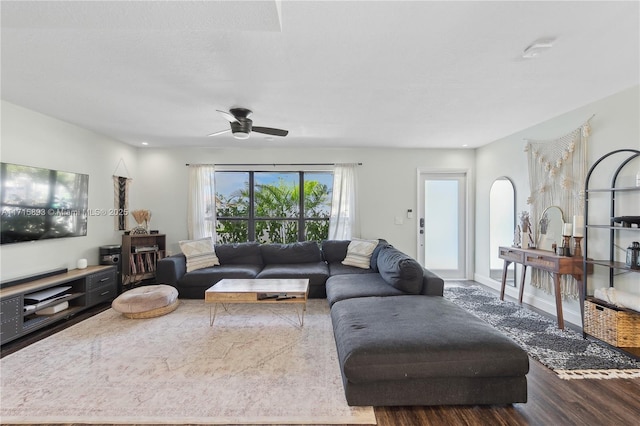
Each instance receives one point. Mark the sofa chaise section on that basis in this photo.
(418, 350)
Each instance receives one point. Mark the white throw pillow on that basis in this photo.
(199, 253)
(359, 253)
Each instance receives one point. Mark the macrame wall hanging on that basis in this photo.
(557, 171)
(121, 198)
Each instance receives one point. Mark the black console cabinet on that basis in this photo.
(89, 287)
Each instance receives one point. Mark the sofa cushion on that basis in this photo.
(239, 254)
(417, 337)
(400, 270)
(317, 272)
(207, 277)
(341, 287)
(302, 252)
(199, 253)
(359, 253)
(337, 268)
(334, 250)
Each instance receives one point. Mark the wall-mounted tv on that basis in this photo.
(39, 204)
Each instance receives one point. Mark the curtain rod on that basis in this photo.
(271, 164)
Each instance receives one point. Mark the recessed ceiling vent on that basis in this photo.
(537, 48)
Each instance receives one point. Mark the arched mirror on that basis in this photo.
(550, 228)
(502, 222)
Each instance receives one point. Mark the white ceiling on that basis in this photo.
(335, 74)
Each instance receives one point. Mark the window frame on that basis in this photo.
(252, 218)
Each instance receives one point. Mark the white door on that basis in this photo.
(442, 223)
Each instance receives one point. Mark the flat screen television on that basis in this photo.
(39, 204)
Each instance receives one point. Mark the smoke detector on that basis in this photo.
(537, 48)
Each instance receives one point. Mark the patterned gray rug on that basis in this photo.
(563, 351)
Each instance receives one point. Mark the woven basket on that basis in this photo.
(616, 327)
(154, 312)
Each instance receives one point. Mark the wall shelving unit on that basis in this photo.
(614, 325)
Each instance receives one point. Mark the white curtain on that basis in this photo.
(201, 206)
(344, 223)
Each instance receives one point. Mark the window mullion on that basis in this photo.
(301, 234)
(251, 228)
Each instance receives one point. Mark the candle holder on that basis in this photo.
(566, 245)
(577, 250)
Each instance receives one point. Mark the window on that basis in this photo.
(270, 207)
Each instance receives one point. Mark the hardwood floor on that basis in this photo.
(551, 401)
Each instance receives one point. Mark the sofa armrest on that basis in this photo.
(170, 269)
(432, 285)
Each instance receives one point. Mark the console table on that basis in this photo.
(547, 261)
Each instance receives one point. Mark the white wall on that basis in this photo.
(387, 183)
(387, 180)
(616, 125)
(37, 140)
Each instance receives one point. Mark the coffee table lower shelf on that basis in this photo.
(258, 291)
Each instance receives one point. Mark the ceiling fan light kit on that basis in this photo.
(242, 125)
(241, 135)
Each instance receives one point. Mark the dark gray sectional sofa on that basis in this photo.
(248, 260)
(399, 341)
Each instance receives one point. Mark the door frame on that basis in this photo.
(469, 222)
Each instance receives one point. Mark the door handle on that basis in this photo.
(422, 222)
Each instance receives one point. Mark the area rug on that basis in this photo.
(565, 352)
(256, 365)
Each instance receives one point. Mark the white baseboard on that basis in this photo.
(571, 315)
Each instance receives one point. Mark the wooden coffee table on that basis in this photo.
(279, 291)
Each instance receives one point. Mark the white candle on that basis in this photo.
(566, 229)
(578, 226)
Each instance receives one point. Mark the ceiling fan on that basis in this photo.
(242, 125)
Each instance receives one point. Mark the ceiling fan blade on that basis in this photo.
(230, 117)
(220, 132)
(270, 131)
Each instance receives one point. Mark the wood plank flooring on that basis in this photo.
(551, 401)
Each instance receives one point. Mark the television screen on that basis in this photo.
(39, 204)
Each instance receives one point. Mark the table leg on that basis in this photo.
(301, 317)
(212, 314)
(556, 283)
(522, 277)
(504, 278)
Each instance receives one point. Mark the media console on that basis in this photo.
(34, 304)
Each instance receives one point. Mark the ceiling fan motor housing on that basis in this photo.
(241, 127)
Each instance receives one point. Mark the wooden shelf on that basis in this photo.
(42, 306)
(140, 255)
(621, 189)
(612, 264)
(617, 228)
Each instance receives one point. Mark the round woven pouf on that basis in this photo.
(147, 301)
